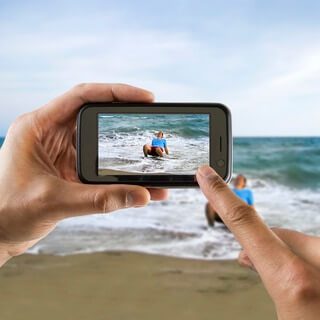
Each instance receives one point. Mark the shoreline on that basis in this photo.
(126, 285)
(106, 172)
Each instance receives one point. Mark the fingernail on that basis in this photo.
(151, 95)
(205, 171)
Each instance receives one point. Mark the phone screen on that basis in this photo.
(152, 143)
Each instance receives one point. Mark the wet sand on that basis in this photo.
(118, 285)
(108, 172)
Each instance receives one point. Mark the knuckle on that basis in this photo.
(80, 86)
(304, 292)
(83, 89)
(300, 286)
(241, 214)
(22, 118)
(20, 123)
(44, 194)
(216, 184)
(100, 202)
(104, 203)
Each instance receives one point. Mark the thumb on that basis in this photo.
(230, 208)
(76, 199)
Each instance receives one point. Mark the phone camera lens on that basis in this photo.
(220, 163)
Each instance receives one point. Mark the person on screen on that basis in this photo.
(241, 190)
(158, 146)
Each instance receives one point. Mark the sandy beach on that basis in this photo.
(118, 285)
(105, 172)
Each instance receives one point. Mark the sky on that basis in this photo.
(260, 58)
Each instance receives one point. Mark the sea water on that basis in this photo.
(284, 174)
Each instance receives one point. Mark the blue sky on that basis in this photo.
(261, 58)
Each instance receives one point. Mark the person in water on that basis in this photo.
(158, 146)
(241, 190)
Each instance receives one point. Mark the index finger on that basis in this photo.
(65, 107)
(267, 252)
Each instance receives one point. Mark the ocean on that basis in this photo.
(284, 174)
(122, 137)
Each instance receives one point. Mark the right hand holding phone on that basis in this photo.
(287, 261)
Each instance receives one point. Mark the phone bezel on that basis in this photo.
(87, 142)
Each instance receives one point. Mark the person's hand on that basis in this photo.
(39, 184)
(304, 246)
(288, 262)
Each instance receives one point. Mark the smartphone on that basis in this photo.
(152, 144)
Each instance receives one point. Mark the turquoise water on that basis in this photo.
(293, 162)
(182, 125)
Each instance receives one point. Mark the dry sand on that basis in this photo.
(129, 286)
(108, 172)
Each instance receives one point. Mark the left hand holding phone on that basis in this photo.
(39, 183)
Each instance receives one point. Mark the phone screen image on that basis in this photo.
(145, 143)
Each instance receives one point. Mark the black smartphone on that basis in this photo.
(152, 144)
